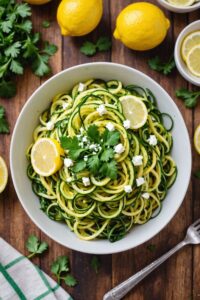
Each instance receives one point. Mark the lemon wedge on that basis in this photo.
(189, 42)
(181, 2)
(197, 139)
(193, 61)
(3, 175)
(134, 110)
(45, 156)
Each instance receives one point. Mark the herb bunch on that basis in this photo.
(189, 97)
(100, 161)
(19, 46)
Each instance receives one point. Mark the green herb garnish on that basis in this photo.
(163, 67)
(19, 46)
(99, 151)
(197, 174)
(45, 24)
(35, 246)
(90, 48)
(95, 263)
(4, 126)
(151, 247)
(189, 97)
(60, 268)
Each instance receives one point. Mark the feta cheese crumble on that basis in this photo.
(110, 126)
(86, 181)
(68, 162)
(101, 110)
(92, 146)
(84, 139)
(81, 87)
(152, 140)
(137, 160)
(119, 149)
(145, 195)
(65, 105)
(127, 124)
(50, 125)
(69, 179)
(85, 158)
(128, 188)
(140, 181)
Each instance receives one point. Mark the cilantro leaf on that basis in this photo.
(88, 48)
(40, 65)
(112, 169)
(23, 10)
(69, 143)
(70, 280)
(103, 43)
(197, 174)
(112, 138)
(34, 246)
(25, 26)
(61, 264)
(95, 263)
(79, 166)
(13, 50)
(93, 164)
(4, 126)
(16, 67)
(189, 97)
(93, 133)
(163, 67)
(6, 26)
(74, 154)
(7, 89)
(107, 154)
(50, 49)
(45, 24)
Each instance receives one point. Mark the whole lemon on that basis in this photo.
(37, 2)
(79, 17)
(141, 26)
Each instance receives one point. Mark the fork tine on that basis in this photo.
(196, 223)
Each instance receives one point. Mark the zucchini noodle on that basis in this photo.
(104, 209)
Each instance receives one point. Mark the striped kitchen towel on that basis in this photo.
(20, 279)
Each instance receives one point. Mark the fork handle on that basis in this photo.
(123, 288)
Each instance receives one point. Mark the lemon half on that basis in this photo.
(134, 110)
(3, 175)
(46, 156)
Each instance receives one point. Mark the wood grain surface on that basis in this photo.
(179, 277)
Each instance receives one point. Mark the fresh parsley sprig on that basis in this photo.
(60, 268)
(163, 67)
(4, 126)
(90, 48)
(19, 46)
(189, 97)
(95, 263)
(35, 246)
(102, 161)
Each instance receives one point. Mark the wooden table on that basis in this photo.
(177, 279)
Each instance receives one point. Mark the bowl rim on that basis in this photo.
(177, 54)
(179, 9)
(28, 212)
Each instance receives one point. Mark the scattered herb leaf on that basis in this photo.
(189, 97)
(197, 174)
(70, 280)
(4, 126)
(151, 247)
(163, 67)
(95, 263)
(90, 48)
(34, 246)
(45, 24)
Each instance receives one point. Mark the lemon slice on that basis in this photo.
(181, 2)
(45, 156)
(189, 42)
(134, 110)
(3, 175)
(193, 61)
(197, 139)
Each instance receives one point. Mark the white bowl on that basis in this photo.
(177, 9)
(181, 66)
(22, 137)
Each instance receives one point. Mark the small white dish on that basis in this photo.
(22, 137)
(177, 9)
(180, 64)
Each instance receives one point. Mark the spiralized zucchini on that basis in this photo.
(104, 209)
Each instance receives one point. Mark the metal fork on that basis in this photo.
(118, 292)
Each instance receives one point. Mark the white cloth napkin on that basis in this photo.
(20, 279)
